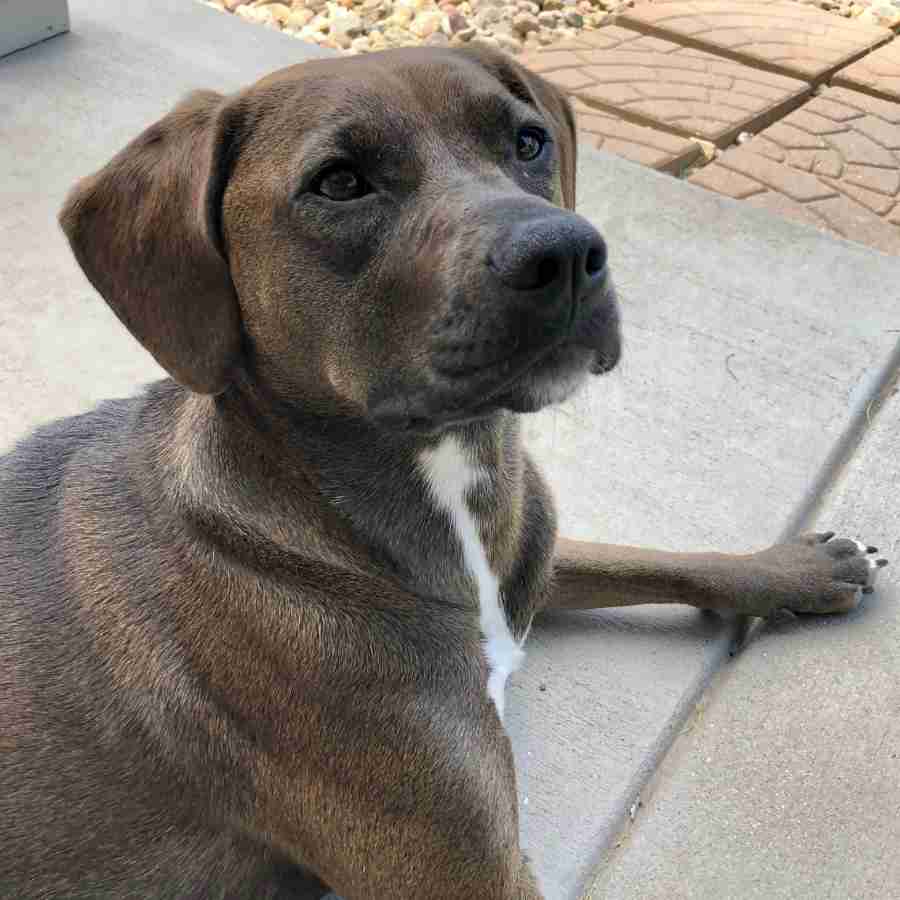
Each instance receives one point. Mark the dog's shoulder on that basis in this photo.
(33, 477)
(32, 471)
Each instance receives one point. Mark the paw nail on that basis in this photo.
(868, 590)
(827, 536)
(881, 562)
(871, 549)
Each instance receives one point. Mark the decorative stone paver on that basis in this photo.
(654, 81)
(638, 143)
(835, 164)
(785, 37)
(878, 73)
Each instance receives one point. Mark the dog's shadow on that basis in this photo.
(651, 628)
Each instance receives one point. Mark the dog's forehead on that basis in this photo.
(394, 94)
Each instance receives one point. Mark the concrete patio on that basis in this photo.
(757, 395)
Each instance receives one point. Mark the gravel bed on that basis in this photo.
(361, 26)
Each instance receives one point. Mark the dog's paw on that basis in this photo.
(814, 574)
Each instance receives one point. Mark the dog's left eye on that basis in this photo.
(341, 184)
(530, 144)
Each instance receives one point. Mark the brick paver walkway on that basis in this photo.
(657, 82)
(817, 96)
(835, 164)
(776, 34)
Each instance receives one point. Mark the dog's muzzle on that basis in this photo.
(523, 318)
(542, 282)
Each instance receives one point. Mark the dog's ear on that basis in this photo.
(146, 230)
(552, 102)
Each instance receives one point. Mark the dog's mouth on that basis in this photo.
(590, 345)
(523, 380)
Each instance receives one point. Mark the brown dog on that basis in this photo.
(256, 623)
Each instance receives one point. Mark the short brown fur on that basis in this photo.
(239, 645)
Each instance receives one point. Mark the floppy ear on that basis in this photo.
(552, 102)
(146, 231)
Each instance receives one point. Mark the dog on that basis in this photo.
(256, 623)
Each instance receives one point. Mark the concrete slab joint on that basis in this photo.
(792, 771)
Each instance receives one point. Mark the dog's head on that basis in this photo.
(389, 235)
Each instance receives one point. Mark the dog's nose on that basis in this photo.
(553, 254)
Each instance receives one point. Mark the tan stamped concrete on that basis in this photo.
(783, 36)
(835, 164)
(638, 143)
(658, 82)
(879, 72)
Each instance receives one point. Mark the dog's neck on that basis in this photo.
(438, 512)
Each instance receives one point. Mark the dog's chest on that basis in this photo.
(451, 475)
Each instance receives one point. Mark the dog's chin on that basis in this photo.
(539, 394)
(556, 379)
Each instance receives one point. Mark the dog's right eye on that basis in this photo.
(340, 183)
(530, 144)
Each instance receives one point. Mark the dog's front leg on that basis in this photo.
(813, 573)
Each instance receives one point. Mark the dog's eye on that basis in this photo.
(530, 144)
(340, 183)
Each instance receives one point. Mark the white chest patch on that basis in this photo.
(451, 473)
